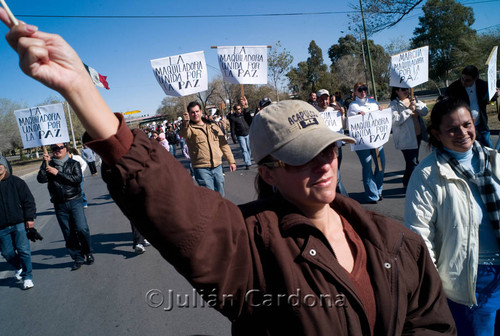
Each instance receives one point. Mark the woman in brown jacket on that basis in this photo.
(298, 261)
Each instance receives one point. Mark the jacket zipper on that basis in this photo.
(209, 146)
(470, 277)
(396, 285)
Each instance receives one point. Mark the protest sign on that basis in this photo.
(492, 72)
(410, 68)
(42, 125)
(370, 130)
(333, 120)
(181, 75)
(243, 64)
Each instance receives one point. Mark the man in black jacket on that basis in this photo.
(475, 92)
(17, 213)
(240, 125)
(63, 176)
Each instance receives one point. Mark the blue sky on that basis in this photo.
(122, 48)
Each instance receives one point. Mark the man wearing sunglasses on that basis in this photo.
(64, 176)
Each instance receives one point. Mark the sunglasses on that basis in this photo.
(57, 148)
(327, 154)
(362, 88)
(403, 89)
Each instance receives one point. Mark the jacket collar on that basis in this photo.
(446, 171)
(363, 221)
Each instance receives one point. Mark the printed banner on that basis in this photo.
(370, 130)
(181, 75)
(492, 72)
(410, 68)
(243, 64)
(42, 125)
(333, 120)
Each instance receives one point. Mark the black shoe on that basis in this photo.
(89, 258)
(76, 266)
(247, 167)
(372, 202)
(380, 197)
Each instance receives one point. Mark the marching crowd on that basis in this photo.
(303, 231)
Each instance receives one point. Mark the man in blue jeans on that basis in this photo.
(207, 144)
(240, 122)
(64, 176)
(17, 215)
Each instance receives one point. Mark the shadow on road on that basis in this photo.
(49, 212)
(113, 243)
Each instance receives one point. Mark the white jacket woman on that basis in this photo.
(403, 127)
(439, 208)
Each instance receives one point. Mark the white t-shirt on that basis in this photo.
(474, 104)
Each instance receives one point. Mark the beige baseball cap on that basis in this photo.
(292, 131)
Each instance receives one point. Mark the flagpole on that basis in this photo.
(9, 13)
(71, 125)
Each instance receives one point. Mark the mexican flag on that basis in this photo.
(98, 79)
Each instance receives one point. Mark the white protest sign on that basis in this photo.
(492, 72)
(181, 75)
(370, 130)
(243, 64)
(42, 125)
(333, 120)
(410, 68)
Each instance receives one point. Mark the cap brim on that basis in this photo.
(303, 149)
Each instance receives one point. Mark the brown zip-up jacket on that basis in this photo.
(206, 144)
(263, 264)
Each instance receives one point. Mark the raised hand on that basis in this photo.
(45, 57)
(50, 60)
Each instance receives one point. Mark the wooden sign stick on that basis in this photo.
(379, 163)
(9, 13)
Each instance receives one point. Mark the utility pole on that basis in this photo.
(71, 124)
(368, 51)
(364, 58)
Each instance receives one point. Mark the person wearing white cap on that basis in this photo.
(301, 260)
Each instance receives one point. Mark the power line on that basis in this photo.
(217, 16)
(214, 16)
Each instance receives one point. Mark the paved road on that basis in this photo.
(109, 297)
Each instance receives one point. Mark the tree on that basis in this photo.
(382, 14)
(349, 67)
(173, 107)
(315, 66)
(278, 65)
(347, 71)
(311, 75)
(478, 51)
(397, 45)
(445, 28)
(206, 96)
(10, 138)
(347, 45)
(298, 84)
